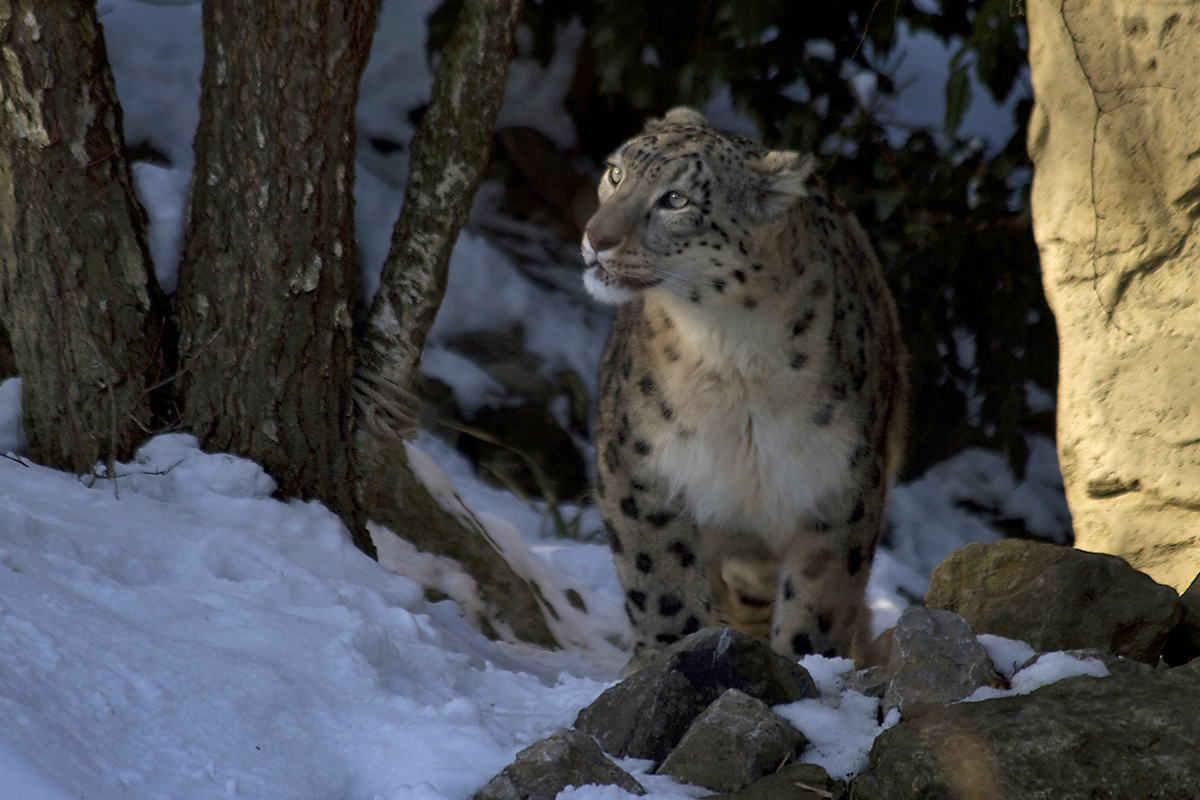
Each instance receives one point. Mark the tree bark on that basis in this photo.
(8, 366)
(449, 153)
(1115, 140)
(77, 291)
(269, 269)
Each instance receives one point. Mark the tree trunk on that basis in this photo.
(77, 291)
(269, 268)
(8, 366)
(1115, 140)
(449, 153)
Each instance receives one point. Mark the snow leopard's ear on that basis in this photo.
(679, 115)
(776, 180)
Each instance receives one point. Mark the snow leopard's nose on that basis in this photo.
(599, 241)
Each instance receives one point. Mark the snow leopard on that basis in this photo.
(752, 393)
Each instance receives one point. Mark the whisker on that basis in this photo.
(682, 280)
(673, 284)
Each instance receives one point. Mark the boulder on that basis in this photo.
(1130, 736)
(935, 660)
(791, 782)
(565, 758)
(1056, 598)
(647, 714)
(869, 682)
(1112, 663)
(1184, 642)
(1116, 187)
(734, 742)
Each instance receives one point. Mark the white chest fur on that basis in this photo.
(752, 458)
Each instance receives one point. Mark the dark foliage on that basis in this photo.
(949, 218)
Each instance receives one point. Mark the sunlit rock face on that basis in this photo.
(1116, 193)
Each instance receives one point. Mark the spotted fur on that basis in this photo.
(752, 392)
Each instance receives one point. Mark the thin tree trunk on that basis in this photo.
(8, 366)
(449, 153)
(77, 291)
(269, 268)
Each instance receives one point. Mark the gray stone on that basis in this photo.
(1128, 736)
(1113, 663)
(736, 741)
(1056, 598)
(565, 758)
(1184, 642)
(791, 782)
(645, 715)
(935, 660)
(869, 682)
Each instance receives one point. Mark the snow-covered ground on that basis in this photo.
(174, 632)
(171, 631)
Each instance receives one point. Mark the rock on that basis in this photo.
(869, 682)
(1128, 736)
(1056, 598)
(1114, 212)
(935, 660)
(733, 743)
(1112, 663)
(646, 714)
(519, 443)
(791, 782)
(565, 758)
(1184, 642)
(396, 494)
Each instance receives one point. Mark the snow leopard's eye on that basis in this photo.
(614, 174)
(674, 200)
